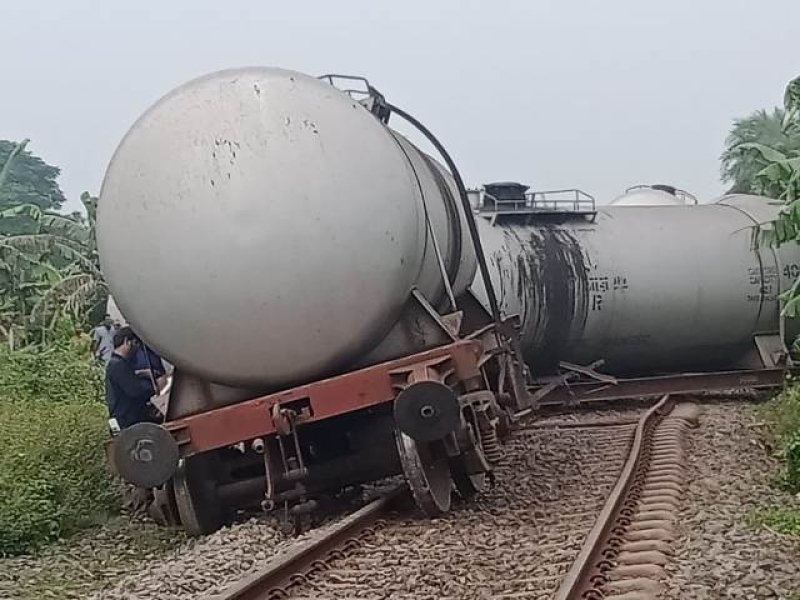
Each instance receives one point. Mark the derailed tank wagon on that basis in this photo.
(624, 300)
(337, 312)
(311, 286)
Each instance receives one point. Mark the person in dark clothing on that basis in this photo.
(127, 395)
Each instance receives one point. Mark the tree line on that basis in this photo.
(49, 265)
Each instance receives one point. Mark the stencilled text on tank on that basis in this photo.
(601, 285)
(764, 282)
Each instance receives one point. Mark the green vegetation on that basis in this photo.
(57, 372)
(28, 179)
(741, 162)
(53, 479)
(782, 415)
(780, 519)
(762, 155)
(49, 265)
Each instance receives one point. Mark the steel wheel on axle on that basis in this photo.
(163, 509)
(197, 506)
(468, 468)
(427, 470)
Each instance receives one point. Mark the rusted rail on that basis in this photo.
(624, 553)
(294, 566)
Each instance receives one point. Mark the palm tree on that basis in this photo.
(742, 161)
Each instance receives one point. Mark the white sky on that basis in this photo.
(596, 95)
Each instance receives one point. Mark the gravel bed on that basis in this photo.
(598, 414)
(719, 555)
(74, 568)
(203, 565)
(207, 565)
(515, 540)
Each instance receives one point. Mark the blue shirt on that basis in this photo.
(140, 361)
(126, 394)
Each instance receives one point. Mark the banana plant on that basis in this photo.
(779, 177)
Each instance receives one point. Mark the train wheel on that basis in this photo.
(467, 484)
(427, 470)
(468, 468)
(194, 497)
(163, 509)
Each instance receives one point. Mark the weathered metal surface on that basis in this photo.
(318, 400)
(427, 472)
(145, 454)
(540, 274)
(193, 486)
(260, 228)
(647, 289)
(680, 383)
(427, 410)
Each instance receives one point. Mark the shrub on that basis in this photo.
(56, 373)
(789, 475)
(783, 418)
(53, 479)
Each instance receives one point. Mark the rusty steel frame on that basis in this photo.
(324, 399)
(581, 392)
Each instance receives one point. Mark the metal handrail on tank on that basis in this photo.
(541, 201)
(576, 200)
(369, 97)
(682, 195)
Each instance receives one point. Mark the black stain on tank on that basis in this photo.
(547, 269)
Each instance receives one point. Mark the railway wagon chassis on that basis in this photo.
(435, 417)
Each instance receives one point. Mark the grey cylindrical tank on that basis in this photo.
(259, 227)
(645, 288)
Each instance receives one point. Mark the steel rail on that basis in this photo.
(579, 577)
(297, 564)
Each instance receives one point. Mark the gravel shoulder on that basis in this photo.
(84, 563)
(721, 553)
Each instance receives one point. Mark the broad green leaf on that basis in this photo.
(23, 210)
(768, 153)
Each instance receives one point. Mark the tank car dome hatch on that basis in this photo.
(501, 195)
(654, 195)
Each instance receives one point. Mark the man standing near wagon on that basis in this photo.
(128, 395)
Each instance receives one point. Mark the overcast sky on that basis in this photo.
(596, 95)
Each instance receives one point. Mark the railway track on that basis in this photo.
(591, 517)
